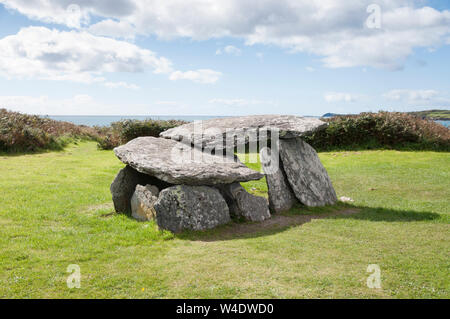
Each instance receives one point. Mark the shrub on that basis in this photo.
(381, 130)
(27, 133)
(124, 131)
(108, 142)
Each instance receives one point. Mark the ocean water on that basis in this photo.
(445, 123)
(106, 120)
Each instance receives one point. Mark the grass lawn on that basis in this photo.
(55, 211)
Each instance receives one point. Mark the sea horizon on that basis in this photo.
(106, 120)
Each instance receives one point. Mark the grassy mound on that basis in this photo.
(28, 133)
(381, 130)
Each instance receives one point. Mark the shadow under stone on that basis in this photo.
(281, 222)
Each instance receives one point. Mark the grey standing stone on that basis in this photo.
(184, 207)
(178, 163)
(142, 201)
(281, 197)
(243, 204)
(306, 175)
(124, 185)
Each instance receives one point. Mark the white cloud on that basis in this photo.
(78, 104)
(59, 12)
(111, 28)
(418, 97)
(333, 97)
(241, 102)
(230, 50)
(310, 69)
(38, 52)
(167, 103)
(121, 84)
(206, 76)
(82, 104)
(42, 53)
(334, 30)
(412, 95)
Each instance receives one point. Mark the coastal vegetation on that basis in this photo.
(382, 130)
(56, 210)
(443, 115)
(30, 133)
(124, 131)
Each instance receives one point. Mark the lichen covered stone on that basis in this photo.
(176, 163)
(307, 177)
(281, 196)
(184, 207)
(124, 185)
(244, 205)
(142, 202)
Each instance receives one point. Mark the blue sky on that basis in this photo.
(133, 57)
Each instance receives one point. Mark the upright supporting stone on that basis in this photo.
(142, 202)
(124, 185)
(281, 197)
(306, 175)
(243, 204)
(185, 207)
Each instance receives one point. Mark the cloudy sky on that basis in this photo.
(213, 57)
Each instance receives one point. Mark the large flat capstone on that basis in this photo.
(178, 163)
(306, 175)
(218, 134)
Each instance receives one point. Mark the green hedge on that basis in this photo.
(24, 133)
(124, 131)
(364, 131)
(380, 130)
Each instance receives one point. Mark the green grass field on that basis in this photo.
(55, 210)
(435, 114)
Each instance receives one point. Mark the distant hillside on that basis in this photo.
(433, 114)
(332, 114)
